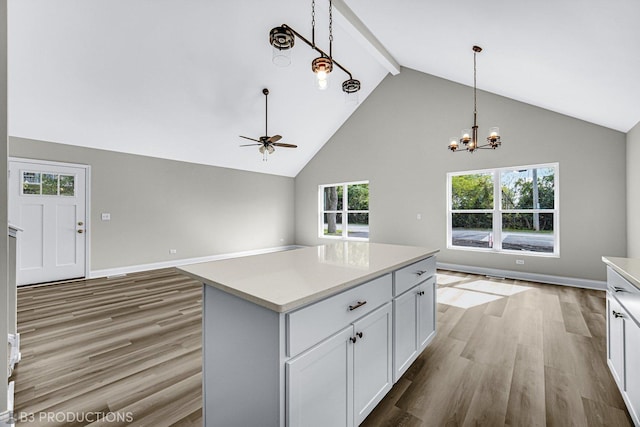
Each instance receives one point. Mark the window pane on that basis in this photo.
(528, 188)
(358, 197)
(30, 183)
(333, 224)
(333, 198)
(528, 232)
(358, 225)
(50, 184)
(473, 191)
(473, 230)
(67, 187)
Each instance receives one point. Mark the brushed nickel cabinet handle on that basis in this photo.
(359, 304)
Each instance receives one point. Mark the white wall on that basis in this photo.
(397, 139)
(157, 205)
(633, 192)
(4, 244)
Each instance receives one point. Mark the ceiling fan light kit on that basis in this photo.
(267, 143)
(469, 137)
(282, 40)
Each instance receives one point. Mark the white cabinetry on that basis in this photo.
(623, 339)
(414, 314)
(350, 373)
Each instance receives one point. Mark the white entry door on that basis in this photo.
(48, 201)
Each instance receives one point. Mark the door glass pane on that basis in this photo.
(528, 188)
(528, 232)
(358, 197)
(333, 224)
(50, 184)
(474, 191)
(333, 198)
(30, 183)
(358, 225)
(472, 230)
(67, 185)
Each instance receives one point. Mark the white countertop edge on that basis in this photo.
(614, 262)
(300, 302)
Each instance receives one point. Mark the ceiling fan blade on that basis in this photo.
(251, 139)
(275, 138)
(249, 145)
(279, 144)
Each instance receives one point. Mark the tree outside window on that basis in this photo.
(344, 211)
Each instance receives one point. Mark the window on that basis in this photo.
(47, 184)
(504, 210)
(344, 210)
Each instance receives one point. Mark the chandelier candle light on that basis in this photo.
(282, 39)
(469, 138)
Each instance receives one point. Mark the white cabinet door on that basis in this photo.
(426, 312)
(632, 371)
(320, 384)
(615, 340)
(372, 360)
(405, 330)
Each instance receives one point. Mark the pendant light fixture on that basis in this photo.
(282, 40)
(469, 137)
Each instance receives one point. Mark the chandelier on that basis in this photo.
(469, 137)
(282, 39)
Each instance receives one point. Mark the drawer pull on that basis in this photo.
(616, 289)
(420, 293)
(353, 339)
(359, 304)
(616, 314)
(359, 334)
(421, 272)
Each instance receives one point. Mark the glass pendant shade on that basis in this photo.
(453, 143)
(281, 40)
(465, 136)
(281, 57)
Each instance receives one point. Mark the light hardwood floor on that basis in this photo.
(131, 347)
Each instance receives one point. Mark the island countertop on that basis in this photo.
(629, 268)
(283, 281)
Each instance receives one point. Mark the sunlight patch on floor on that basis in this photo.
(463, 298)
(492, 287)
(445, 279)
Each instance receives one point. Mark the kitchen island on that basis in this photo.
(623, 329)
(312, 336)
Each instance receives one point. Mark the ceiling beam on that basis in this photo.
(361, 33)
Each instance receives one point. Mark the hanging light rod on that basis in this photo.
(282, 39)
(469, 138)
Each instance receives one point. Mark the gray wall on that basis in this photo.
(157, 205)
(398, 140)
(633, 192)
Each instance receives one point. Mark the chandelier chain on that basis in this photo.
(330, 27)
(475, 108)
(313, 22)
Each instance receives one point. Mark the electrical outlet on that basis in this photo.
(419, 216)
(173, 251)
(106, 217)
(520, 261)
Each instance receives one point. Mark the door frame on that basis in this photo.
(87, 200)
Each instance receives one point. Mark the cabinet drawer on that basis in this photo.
(625, 292)
(409, 276)
(310, 325)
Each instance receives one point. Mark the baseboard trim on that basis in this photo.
(520, 275)
(122, 271)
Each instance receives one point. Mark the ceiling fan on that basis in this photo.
(267, 143)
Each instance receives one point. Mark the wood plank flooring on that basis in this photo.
(130, 348)
(123, 351)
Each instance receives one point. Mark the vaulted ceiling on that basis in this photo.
(182, 79)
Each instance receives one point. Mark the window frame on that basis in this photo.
(497, 211)
(344, 211)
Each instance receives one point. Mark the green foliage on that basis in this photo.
(472, 191)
